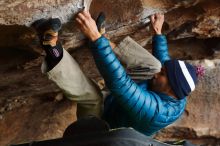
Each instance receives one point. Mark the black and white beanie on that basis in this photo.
(182, 77)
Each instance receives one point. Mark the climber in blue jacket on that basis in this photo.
(147, 106)
(152, 104)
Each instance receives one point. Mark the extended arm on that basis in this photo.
(160, 48)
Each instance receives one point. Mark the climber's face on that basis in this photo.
(160, 83)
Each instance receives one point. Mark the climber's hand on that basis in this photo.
(87, 25)
(157, 21)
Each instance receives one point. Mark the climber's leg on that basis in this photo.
(140, 63)
(62, 69)
(75, 85)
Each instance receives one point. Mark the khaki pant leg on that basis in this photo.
(140, 63)
(76, 86)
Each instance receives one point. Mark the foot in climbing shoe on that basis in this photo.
(100, 22)
(47, 30)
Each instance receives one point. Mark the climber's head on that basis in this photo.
(176, 78)
(160, 83)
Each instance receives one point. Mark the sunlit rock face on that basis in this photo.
(191, 26)
(24, 12)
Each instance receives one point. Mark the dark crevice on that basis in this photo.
(193, 48)
(214, 45)
(12, 59)
(181, 31)
(18, 46)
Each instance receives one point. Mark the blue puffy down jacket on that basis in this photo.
(131, 104)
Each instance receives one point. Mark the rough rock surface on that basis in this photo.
(30, 107)
(34, 10)
(34, 118)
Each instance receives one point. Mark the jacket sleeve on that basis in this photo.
(140, 104)
(160, 48)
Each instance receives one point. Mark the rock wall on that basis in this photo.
(30, 102)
